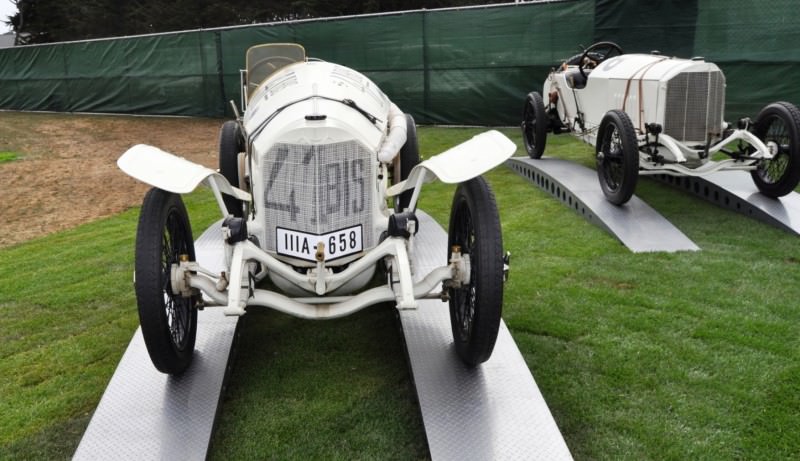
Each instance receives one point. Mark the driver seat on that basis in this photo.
(264, 60)
(576, 80)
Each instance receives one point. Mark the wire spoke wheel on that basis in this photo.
(534, 125)
(464, 297)
(231, 143)
(617, 157)
(168, 319)
(476, 306)
(777, 138)
(177, 308)
(778, 127)
(611, 163)
(408, 158)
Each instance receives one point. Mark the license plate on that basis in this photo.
(302, 245)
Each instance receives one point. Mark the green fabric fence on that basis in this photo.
(457, 66)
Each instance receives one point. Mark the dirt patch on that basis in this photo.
(67, 173)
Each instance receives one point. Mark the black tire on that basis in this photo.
(168, 320)
(409, 158)
(230, 144)
(534, 125)
(778, 125)
(475, 309)
(617, 155)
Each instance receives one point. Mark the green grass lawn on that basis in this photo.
(692, 355)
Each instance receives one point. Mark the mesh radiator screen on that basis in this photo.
(695, 106)
(318, 189)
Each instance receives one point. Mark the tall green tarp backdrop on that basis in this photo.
(458, 66)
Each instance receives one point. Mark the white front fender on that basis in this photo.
(161, 169)
(460, 163)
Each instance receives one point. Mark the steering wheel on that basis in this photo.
(596, 54)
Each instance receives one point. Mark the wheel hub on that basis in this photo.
(773, 148)
(461, 267)
(179, 284)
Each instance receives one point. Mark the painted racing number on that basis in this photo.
(340, 190)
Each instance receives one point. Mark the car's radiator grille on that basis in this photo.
(695, 105)
(317, 189)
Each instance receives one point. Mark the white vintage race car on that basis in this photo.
(649, 114)
(318, 186)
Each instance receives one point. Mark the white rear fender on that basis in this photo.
(460, 163)
(165, 171)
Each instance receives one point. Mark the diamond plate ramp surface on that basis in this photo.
(637, 225)
(145, 414)
(492, 412)
(736, 191)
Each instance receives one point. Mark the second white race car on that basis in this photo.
(648, 114)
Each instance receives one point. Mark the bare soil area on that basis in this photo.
(66, 172)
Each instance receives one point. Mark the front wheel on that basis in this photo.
(168, 319)
(617, 155)
(408, 159)
(231, 143)
(534, 125)
(476, 307)
(778, 126)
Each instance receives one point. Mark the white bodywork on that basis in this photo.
(654, 89)
(319, 138)
(161, 169)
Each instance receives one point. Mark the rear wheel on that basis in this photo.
(778, 126)
(168, 319)
(476, 307)
(230, 144)
(534, 125)
(409, 158)
(617, 155)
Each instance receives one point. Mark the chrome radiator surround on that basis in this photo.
(317, 189)
(695, 106)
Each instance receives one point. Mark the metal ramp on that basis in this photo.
(492, 412)
(145, 414)
(637, 225)
(736, 191)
